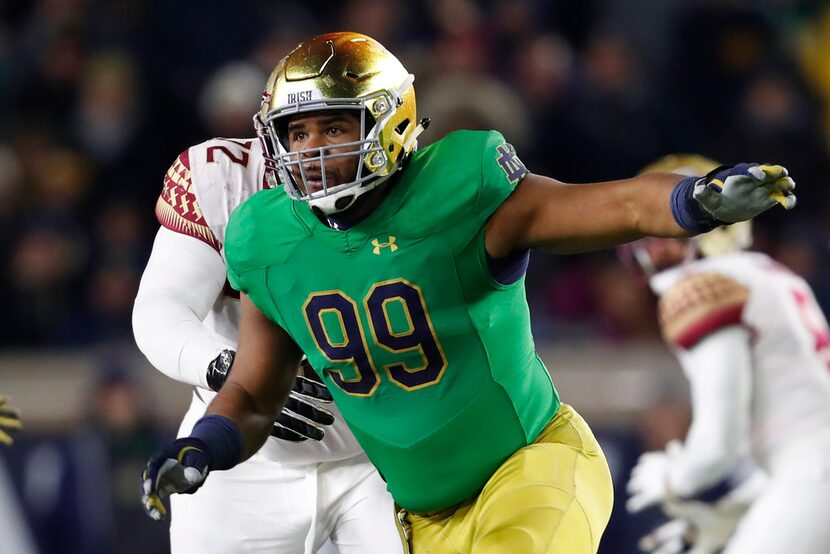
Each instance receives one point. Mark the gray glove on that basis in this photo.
(740, 192)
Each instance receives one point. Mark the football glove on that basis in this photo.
(9, 422)
(649, 481)
(740, 192)
(181, 467)
(302, 417)
(669, 538)
(697, 528)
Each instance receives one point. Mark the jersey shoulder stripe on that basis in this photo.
(699, 305)
(178, 209)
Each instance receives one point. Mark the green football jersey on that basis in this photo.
(428, 356)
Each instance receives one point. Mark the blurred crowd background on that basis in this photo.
(98, 97)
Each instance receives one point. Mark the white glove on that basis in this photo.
(697, 527)
(669, 538)
(741, 192)
(710, 525)
(649, 481)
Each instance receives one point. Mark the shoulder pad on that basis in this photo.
(699, 305)
(178, 209)
(225, 172)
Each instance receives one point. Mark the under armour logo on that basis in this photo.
(389, 243)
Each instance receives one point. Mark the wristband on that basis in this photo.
(687, 212)
(219, 368)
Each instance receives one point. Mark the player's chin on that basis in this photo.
(313, 186)
(316, 185)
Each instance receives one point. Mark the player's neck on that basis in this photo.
(362, 208)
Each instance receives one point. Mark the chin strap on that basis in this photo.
(355, 197)
(412, 141)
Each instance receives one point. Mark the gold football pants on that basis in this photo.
(552, 496)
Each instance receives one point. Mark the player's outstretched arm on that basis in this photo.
(239, 418)
(566, 218)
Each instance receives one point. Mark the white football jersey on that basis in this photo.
(202, 188)
(790, 417)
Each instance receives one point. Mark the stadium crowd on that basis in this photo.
(99, 97)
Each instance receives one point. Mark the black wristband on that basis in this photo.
(219, 368)
(687, 211)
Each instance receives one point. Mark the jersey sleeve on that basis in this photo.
(719, 369)
(178, 209)
(240, 241)
(247, 256)
(501, 171)
(700, 305)
(233, 258)
(235, 280)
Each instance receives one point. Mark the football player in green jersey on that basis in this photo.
(400, 274)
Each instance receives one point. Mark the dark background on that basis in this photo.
(98, 97)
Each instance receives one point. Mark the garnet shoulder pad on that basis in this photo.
(699, 305)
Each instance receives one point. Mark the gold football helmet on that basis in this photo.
(683, 164)
(339, 71)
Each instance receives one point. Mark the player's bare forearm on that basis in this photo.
(566, 218)
(263, 372)
(254, 418)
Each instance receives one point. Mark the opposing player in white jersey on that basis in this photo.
(755, 348)
(311, 485)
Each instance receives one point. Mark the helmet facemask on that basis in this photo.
(639, 256)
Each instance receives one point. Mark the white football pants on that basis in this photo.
(790, 517)
(261, 506)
